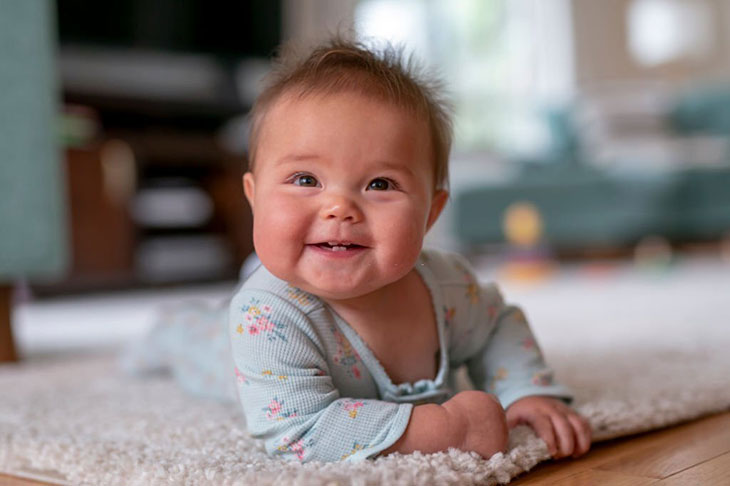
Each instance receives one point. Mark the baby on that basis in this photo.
(345, 340)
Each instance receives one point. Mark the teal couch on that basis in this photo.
(584, 207)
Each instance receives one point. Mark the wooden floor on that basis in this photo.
(6, 480)
(692, 454)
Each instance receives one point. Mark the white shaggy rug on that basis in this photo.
(641, 351)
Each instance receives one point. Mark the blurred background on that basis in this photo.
(590, 135)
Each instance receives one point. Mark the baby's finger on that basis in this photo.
(544, 429)
(582, 430)
(565, 435)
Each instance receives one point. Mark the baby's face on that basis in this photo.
(342, 193)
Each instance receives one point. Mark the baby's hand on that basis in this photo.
(481, 422)
(565, 432)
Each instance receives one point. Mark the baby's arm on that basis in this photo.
(511, 365)
(289, 399)
(470, 421)
(286, 391)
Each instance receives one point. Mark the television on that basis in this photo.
(196, 61)
(224, 29)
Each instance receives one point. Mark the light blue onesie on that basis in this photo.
(313, 390)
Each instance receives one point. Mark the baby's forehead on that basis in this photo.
(324, 108)
(314, 98)
(306, 105)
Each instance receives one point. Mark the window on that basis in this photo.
(662, 31)
(502, 60)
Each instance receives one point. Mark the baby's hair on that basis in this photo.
(341, 65)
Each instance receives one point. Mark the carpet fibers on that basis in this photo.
(639, 352)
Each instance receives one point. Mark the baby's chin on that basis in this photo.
(335, 291)
(332, 288)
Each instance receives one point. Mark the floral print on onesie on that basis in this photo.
(346, 356)
(313, 390)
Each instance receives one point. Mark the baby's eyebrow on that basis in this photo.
(377, 164)
(296, 158)
(388, 165)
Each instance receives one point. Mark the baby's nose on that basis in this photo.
(338, 207)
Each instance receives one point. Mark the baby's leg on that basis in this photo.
(190, 340)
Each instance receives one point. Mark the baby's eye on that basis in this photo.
(305, 180)
(381, 184)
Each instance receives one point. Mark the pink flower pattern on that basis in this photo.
(542, 378)
(346, 356)
(257, 321)
(449, 313)
(298, 447)
(240, 377)
(528, 344)
(275, 410)
(352, 406)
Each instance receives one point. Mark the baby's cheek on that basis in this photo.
(408, 234)
(280, 230)
(279, 218)
(271, 233)
(405, 241)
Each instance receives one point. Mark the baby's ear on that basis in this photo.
(249, 187)
(437, 205)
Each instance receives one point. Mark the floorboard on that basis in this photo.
(7, 480)
(714, 471)
(643, 459)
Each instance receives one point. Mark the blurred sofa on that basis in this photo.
(618, 169)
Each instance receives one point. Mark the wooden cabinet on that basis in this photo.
(102, 233)
(113, 243)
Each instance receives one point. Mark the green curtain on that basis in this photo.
(33, 215)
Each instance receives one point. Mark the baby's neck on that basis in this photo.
(373, 307)
(399, 326)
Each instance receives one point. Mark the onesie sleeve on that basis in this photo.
(286, 391)
(510, 364)
(494, 340)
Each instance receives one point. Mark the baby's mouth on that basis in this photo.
(335, 246)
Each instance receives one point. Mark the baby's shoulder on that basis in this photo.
(452, 271)
(447, 267)
(263, 287)
(265, 306)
